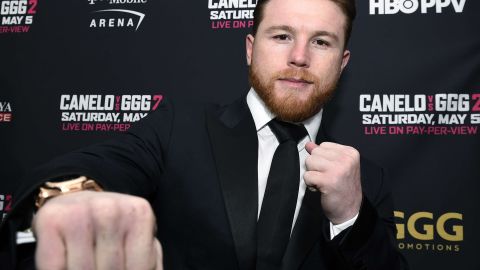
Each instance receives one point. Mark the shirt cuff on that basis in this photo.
(25, 237)
(337, 229)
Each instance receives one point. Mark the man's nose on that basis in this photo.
(299, 55)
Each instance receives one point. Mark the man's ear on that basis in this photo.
(249, 47)
(345, 58)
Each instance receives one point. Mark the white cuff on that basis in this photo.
(337, 229)
(25, 237)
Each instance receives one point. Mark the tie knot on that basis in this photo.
(286, 131)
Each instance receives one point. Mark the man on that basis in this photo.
(203, 173)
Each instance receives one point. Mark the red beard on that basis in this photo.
(292, 108)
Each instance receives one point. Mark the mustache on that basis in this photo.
(295, 74)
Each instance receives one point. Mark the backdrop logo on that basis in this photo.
(389, 7)
(17, 15)
(5, 112)
(105, 112)
(439, 114)
(227, 14)
(111, 16)
(424, 231)
(5, 205)
(92, 2)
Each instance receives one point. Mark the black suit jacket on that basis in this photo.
(197, 165)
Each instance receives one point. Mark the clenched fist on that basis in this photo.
(334, 170)
(96, 230)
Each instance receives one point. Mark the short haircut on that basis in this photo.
(347, 7)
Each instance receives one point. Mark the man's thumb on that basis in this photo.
(310, 146)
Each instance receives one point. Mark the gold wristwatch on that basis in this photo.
(52, 189)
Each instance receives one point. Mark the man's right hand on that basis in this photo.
(96, 230)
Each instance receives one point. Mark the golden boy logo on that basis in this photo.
(429, 232)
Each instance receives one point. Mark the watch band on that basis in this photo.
(53, 189)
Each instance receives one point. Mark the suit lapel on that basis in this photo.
(308, 227)
(235, 147)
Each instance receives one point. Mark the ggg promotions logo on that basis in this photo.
(112, 15)
(105, 112)
(5, 112)
(439, 114)
(17, 15)
(227, 14)
(389, 7)
(5, 205)
(425, 231)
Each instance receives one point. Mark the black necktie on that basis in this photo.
(278, 206)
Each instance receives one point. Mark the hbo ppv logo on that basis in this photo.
(411, 6)
(446, 226)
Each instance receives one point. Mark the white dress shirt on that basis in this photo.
(267, 144)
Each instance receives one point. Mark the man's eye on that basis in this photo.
(320, 42)
(281, 37)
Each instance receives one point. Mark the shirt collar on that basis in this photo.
(262, 115)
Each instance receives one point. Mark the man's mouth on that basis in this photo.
(295, 81)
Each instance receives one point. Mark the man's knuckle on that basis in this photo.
(352, 152)
(105, 211)
(105, 202)
(344, 162)
(51, 215)
(142, 209)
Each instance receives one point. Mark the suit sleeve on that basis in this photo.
(131, 164)
(370, 242)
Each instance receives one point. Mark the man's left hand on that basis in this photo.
(334, 170)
